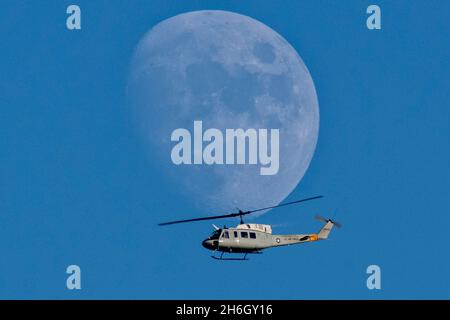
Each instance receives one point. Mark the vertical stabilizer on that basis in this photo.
(325, 231)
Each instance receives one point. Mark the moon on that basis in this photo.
(229, 71)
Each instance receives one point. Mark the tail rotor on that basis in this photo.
(324, 220)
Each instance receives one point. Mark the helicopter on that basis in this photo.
(253, 238)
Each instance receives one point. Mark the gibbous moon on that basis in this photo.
(228, 71)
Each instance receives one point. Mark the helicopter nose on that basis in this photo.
(208, 244)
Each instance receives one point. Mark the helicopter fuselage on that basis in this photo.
(252, 238)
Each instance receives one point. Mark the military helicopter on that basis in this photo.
(252, 238)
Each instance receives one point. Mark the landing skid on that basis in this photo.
(234, 259)
(230, 259)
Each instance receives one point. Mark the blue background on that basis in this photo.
(75, 186)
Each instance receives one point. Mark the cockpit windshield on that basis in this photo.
(216, 234)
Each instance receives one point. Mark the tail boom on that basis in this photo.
(287, 240)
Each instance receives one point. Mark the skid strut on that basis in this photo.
(234, 259)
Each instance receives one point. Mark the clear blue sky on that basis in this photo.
(75, 186)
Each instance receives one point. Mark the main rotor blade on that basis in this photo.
(236, 214)
(231, 215)
(286, 204)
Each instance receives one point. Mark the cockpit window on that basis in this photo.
(226, 235)
(216, 234)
